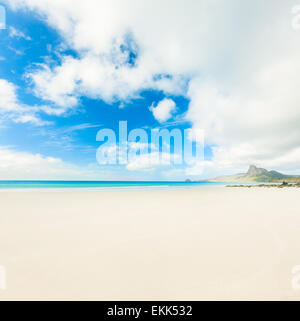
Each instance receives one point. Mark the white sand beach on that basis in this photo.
(205, 244)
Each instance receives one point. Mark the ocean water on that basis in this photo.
(98, 185)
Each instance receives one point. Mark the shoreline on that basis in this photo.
(270, 185)
(106, 189)
(91, 186)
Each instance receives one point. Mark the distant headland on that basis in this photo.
(255, 174)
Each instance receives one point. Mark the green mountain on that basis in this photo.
(255, 174)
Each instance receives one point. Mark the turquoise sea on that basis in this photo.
(100, 185)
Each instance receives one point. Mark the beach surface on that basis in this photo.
(211, 243)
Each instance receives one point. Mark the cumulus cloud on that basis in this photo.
(104, 34)
(238, 64)
(12, 108)
(163, 110)
(96, 77)
(251, 125)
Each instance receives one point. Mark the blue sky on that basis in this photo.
(27, 42)
(69, 69)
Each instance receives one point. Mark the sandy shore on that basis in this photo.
(210, 243)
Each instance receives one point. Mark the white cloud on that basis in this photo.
(16, 165)
(96, 77)
(12, 108)
(30, 119)
(22, 165)
(150, 161)
(15, 33)
(136, 146)
(103, 33)
(236, 159)
(8, 99)
(251, 125)
(140, 157)
(242, 63)
(163, 111)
